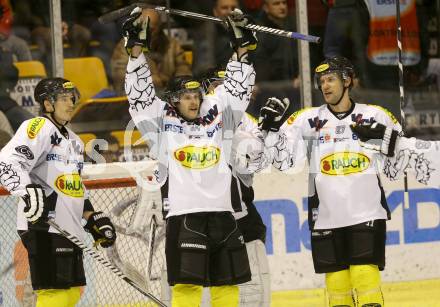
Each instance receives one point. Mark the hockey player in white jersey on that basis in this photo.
(190, 136)
(416, 157)
(255, 293)
(42, 164)
(347, 206)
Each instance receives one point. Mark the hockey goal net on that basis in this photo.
(119, 190)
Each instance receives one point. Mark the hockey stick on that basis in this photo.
(125, 11)
(402, 97)
(103, 261)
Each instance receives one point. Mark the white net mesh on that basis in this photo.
(139, 251)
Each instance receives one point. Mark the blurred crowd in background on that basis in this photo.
(95, 59)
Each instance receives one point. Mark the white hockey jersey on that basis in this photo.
(195, 155)
(40, 154)
(418, 158)
(344, 188)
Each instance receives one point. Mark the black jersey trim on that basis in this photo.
(353, 104)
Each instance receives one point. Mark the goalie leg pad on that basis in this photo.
(329, 250)
(54, 261)
(366, 282)
(338, 286)
(58, 297)
(186, 295)
(367, 243)
(187, 250)
(224, 296)
(257, 291)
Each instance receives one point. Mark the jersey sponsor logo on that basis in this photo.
(210, 116)
(60, 158)
(70, 185)
(35, 126)
(55, 157)
(76, 146)
(197, 157)
(217, 127)
(359, 120)
(55, 139)
(340, 139)
(317, 123)
(25, 151)
(205, 120)
(325, 138)
(340, 129)
(344, 163)
(173, 128)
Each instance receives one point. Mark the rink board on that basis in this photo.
(413, 247)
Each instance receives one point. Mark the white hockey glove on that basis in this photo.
(239, 36)
(272, 113)
(35, 208)
(377, 137)
(101, 229)
(136, 31)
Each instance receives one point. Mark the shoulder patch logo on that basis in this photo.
(35, 126)
(25, 151)
(294, 116)
(387, 112)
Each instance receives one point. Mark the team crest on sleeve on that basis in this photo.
(25, 151)
(34, 126)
